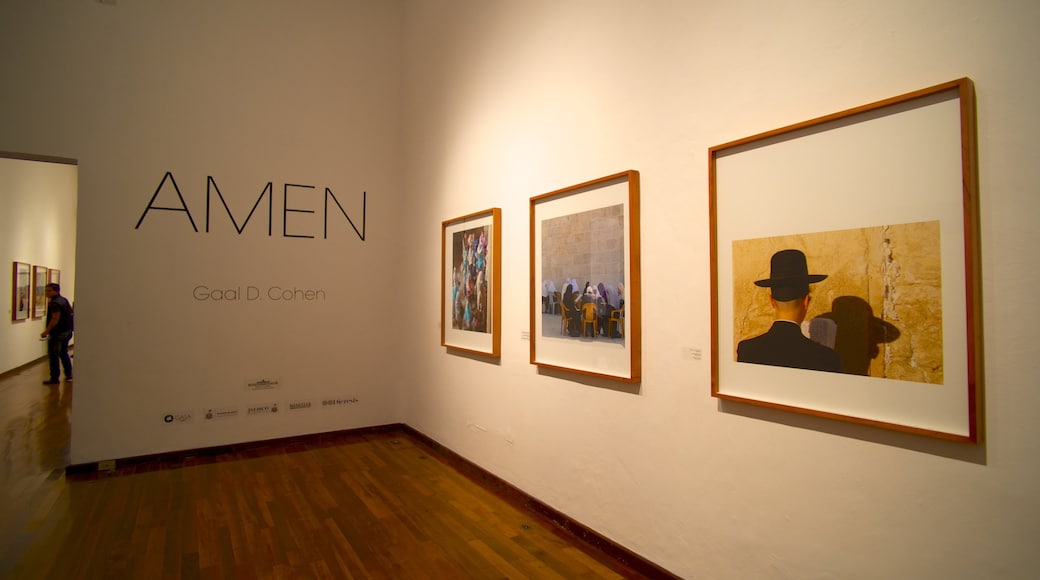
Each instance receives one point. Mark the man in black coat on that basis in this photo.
(784, 345)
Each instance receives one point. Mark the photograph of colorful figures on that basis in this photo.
(583, 268)
(469, 280)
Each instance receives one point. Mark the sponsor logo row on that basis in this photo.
(263, 409)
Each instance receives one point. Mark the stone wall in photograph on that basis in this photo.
(587, 246)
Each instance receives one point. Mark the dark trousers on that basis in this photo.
(58, 352)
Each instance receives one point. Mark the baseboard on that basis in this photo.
(179, 458)
(21, 367)
(520, 499)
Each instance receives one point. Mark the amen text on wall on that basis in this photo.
(295, 198)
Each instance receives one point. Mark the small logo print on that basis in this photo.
(222, 413)
(262, 384)
(262, 410)
(339, 402)
(178, 417)
(300, 405)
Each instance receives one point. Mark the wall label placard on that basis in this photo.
(296, 199)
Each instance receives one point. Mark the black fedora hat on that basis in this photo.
(789, 275)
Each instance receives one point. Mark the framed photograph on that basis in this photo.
(585, 278)
(53, 276)
(845, 266)
(39, 298)
(471, 274)
(21, 291)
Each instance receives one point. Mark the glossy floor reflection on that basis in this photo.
(375, 505)
(36, 423)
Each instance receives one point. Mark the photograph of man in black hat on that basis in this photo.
(784, 344)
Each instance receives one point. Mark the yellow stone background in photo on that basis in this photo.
(884, 289)
(588, 246)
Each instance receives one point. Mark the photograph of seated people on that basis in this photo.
(784, 344)
(590, 311)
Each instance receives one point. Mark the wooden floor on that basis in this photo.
(378, 505)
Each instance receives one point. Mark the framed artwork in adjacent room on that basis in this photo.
(471, 274)
(39, 298)
(845, 272)
(585, 315)
(53, 276)
(21, 291)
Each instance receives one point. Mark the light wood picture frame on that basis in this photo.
(21, 291)
(471, 276)
(881, 203)
(587, 236)
(39, 297)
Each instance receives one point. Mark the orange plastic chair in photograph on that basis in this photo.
(588, 316)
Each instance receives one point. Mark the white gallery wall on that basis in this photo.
(269, 334)
(37, 227)
(507, 100)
